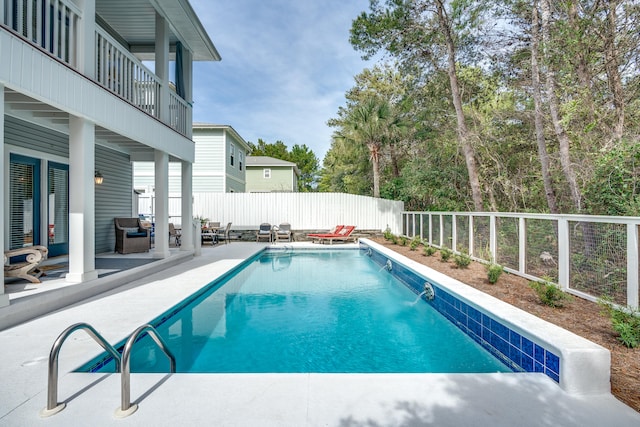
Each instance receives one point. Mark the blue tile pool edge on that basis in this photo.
(519, 353)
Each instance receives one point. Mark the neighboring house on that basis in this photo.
(219, 165)
(77, 101)
(266, 174)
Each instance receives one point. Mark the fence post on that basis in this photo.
(563, 253)
(522, 245)
(632, 265)
(471, 248)
(454, 233)
(493, 238)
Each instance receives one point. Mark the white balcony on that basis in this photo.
(54, 27)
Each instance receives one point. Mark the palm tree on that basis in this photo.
(370, 123)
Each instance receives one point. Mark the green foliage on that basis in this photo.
(549, 293)
(395, 239)
(429, 250)
(626, 322)
(202, 219)
(462, 260)
(415, 242)
(404, 240)
(445, 254)
(494, 271)
(615, 187)
(387, 234)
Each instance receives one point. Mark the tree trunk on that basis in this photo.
(463, 134)
(374, 151)
(582, 70)
(539, 124)
(611, 56)
(561, 134)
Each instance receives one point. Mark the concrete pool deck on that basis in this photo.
(258, 399)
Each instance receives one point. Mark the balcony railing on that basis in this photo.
(591, 256)
(52, 25)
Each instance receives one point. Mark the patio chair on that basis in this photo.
(131, 236)
(343, 235)
(23, 262)
(175, 233)
(283, 232)
(334, 230)
(264, 232)
(224, 235)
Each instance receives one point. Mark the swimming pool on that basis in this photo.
(309, 311)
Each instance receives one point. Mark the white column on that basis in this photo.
(187, 65)
(4, 299)
(86, 43)
(187, 207)
(81, 201)
(162, 66)
(162, 204)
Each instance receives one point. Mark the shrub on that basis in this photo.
(404, 240)
(445, 254)
(462, 260)
(493, 272)
(429, 250)
(387, 234)
(394, 239)
(549, 293)
(626, 322)
(415, 242)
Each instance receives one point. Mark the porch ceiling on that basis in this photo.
(134, 21)
(32, 110)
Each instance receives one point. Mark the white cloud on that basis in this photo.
(285, 67)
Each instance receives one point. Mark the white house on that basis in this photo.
(219, 165)
(77, 101)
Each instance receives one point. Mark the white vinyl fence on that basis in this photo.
(304, 211)
(591, 256)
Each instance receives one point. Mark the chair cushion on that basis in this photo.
(136, 233)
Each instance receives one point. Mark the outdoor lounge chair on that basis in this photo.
(131, 236)
(264, 232)
(343, 235)
(25, 267)
(175, 233)
(334, 230)
(283, 232)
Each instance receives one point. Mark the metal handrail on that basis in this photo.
(127, 408)
(53, 407)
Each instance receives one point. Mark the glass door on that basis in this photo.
(58, 209)
(24, 202)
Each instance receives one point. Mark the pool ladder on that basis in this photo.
(123, 362)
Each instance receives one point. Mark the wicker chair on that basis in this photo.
(131, 236)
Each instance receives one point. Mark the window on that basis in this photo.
(240, 158)
(232, 152)
(266, 173)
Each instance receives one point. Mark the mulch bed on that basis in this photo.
(579, 316)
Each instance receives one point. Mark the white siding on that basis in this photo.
(208, 169)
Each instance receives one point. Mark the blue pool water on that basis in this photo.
(309, 311)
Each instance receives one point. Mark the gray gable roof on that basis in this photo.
(265, 161)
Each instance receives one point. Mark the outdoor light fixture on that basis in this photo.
(98, 178)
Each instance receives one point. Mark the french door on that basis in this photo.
(58, 208)
(25, 205)
(24, 201)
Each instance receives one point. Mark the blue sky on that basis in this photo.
(286, 65)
